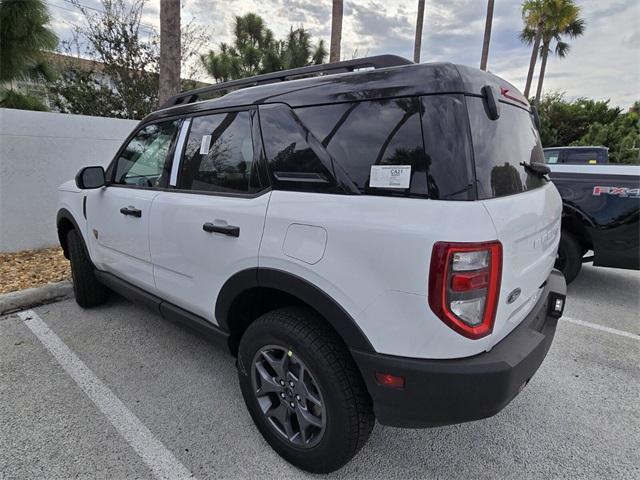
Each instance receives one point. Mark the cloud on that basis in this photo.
(604, 63)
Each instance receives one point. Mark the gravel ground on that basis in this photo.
(578, 418)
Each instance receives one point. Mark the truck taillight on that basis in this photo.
(464, 285)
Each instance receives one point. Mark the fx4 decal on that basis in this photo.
(618, 191)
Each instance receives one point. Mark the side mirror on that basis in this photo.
(90, 177)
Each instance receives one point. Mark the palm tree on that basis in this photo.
(563, 19)
(169, 49)
(23, 39)
(487, 35)
(419, 22)
(336, 31)
(533, 16)
(255, 51)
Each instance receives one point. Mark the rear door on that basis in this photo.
(525, 209)
(209, 225)
(118, 215)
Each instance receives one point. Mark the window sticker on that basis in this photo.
(204, 145)
(390, 176)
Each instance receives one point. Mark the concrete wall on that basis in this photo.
(38, 152)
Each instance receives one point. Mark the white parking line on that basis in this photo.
(602, 328)
(163, 464)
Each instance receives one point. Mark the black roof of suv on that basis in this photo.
(388, 76)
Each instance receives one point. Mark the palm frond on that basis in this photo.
(562, 49)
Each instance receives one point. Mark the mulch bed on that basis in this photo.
(32, 268)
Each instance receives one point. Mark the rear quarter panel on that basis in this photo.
(375, 261)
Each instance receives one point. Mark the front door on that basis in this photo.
(118, 214)
(210, 226)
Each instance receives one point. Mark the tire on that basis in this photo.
(89, 292)
(343, 421)
(569, 260)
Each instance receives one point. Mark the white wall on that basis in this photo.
(38, 152)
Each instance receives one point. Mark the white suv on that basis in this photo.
(369, 242)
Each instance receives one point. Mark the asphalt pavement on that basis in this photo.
(113, 391)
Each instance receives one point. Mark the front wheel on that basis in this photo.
(89, 292)
(303, 390)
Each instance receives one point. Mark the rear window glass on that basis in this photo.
(580, 156)
(500, 147)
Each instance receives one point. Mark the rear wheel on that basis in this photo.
(303, 390)
(569, 260)
(89, 292)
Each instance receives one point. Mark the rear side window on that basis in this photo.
(361, 134)
(447, 147)
(219, 154)
(296, 159)
(500, 147)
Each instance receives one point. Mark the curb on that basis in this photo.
(31, 297)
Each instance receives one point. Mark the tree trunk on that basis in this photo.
(534, 57)
(487, 35)
(336, 31)
(419, 22)
(170, 55)
(543, 68)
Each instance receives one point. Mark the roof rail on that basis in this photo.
(378, 61)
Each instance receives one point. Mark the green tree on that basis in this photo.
(559, 19)
(24, 37)
(590, 122)
(255, 51)
(123, 79)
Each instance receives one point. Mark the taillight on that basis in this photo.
(464, 285)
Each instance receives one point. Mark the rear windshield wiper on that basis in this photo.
(537, 168)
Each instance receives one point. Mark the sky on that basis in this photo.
(603, 64)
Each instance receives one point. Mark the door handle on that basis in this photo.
(230, 230)
(131, 211)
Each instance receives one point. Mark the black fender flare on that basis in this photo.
(64, 214)
(298, 287)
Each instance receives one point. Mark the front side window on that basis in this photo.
(218, 156)
(143, 162)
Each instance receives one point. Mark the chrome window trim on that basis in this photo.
(177, 154)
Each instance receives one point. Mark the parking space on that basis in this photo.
(578, 418)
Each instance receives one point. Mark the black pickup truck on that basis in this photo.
(601, 213)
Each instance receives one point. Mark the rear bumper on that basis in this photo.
(442, 392)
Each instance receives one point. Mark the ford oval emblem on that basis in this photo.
(513, 296)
